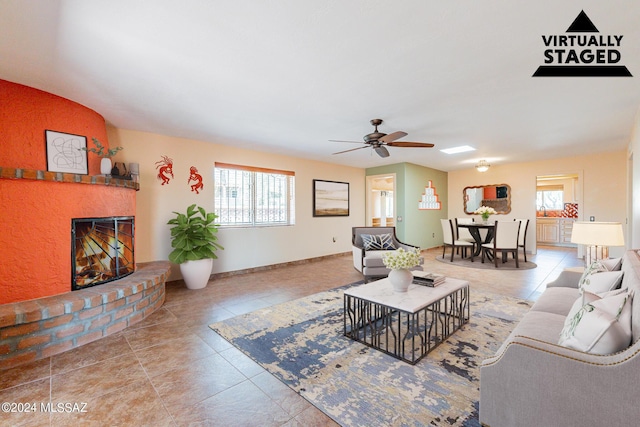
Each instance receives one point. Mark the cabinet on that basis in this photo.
(554, 231)
(566, 225)
(548, 231)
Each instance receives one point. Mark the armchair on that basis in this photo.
(369, 261)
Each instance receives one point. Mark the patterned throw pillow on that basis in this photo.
(602, 325)
(377, 242)
(596, 279)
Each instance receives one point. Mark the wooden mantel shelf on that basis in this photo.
(40, 175)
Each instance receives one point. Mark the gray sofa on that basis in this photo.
(533, 381)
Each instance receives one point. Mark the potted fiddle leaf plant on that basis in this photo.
(194, 243)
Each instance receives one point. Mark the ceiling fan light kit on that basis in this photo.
(377, 140)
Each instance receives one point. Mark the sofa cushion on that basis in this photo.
(600, 281)
(376, 242)
(539, 325)
(556, 300)
(599, 325)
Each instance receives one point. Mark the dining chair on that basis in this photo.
(522, 236)
(449, 239)
(505, 241)
(464, 233)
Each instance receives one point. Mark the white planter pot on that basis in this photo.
(105, 166)
(400, 279)
(196, 274)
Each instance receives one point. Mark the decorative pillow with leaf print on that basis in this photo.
(597, 279)
(602, 325)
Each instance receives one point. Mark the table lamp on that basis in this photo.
(597, 236)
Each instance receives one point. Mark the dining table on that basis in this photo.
(474, 228)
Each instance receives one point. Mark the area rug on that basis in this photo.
(301, 343)
(477, 263)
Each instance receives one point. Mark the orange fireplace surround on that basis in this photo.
(39, 315)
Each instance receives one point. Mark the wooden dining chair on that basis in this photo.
(505, 241)
(464, 233)
(449, 239)
(522, 236)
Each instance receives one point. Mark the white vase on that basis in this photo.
(105, 166)
(400, 279)
(196, 274)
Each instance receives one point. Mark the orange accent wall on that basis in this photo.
(25, 113)
(35, 225)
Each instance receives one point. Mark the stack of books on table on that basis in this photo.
(429, 279)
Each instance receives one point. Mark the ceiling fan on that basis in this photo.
(378, 140)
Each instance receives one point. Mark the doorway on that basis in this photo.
(381, 200)
(558, 206)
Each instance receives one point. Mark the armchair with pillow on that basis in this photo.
(369, 244)
(574, 358)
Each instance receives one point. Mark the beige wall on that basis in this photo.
(633, 189)
(601, 189)
(244, 247)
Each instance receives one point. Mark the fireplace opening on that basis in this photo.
(102, 250)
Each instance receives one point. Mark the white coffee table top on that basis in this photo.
(416, 297)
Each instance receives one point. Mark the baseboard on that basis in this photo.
(273, 266)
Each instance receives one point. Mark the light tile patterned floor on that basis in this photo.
(172, 370)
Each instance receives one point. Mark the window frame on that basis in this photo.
(254, 194)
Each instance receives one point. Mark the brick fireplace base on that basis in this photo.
(40, 328)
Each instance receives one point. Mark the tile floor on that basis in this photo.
(172, 370)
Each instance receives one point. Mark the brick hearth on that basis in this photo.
(40, 328)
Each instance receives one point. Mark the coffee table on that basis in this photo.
(405, 325)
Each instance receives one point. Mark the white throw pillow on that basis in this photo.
(600, 325)
(612, 264)
(600, 281)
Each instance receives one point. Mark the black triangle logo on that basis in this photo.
(582, 24)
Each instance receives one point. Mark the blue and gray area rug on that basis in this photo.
(301, 343)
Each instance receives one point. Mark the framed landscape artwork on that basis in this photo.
(66, 152)
(330, 198)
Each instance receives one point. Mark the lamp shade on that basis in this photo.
(597, 233)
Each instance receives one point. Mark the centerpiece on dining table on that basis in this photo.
(485, 212)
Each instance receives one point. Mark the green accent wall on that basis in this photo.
(418, 227)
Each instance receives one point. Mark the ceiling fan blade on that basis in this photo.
(382, 151)
(393, 136)
(353, 149)
(339, 140)
(410, 144)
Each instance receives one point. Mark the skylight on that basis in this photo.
(456, 150)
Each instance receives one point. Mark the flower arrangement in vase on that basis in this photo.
(485, 212)
(400, 262)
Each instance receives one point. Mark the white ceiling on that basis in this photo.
(286, 76)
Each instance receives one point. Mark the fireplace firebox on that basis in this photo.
(102, 250)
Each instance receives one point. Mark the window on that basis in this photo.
(550, 197)
(249, 197)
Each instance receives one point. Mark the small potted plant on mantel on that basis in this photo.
(193, 237)
(105, 153)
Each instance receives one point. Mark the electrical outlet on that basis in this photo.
(334, 240)
(433, 235)
(592, 218)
